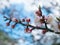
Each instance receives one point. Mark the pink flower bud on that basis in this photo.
(27, 29)
(8, 24)
(14, 19)
(30, 30)
(44, 31)
(39, 13)
(13, 26)
(27, 20)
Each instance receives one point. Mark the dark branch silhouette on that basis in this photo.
(33, 27)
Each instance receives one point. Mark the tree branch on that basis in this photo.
(34, 27)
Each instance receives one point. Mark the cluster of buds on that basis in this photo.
(17, 21)
(10, 20)
(42, 18)
(28, 30)
(13, 26)
(27, 20)
(39, 13)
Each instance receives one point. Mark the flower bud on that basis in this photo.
(14, 19)
(8, 24)
(39, 13)
(30, 30)
(13, 26)
(27, 20)
(44, 31)
(42, 20)
(26, 30)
